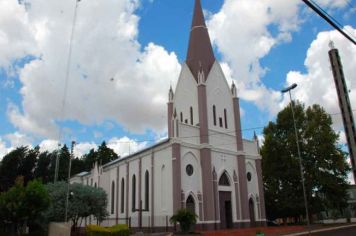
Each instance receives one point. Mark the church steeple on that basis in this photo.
(200, 52)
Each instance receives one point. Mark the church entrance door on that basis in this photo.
(225, 209)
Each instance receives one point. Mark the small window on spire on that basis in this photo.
(225, 118)
(214, 114)
(181, 117)
(191, 115)
(220, 122)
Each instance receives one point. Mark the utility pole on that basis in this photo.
(68, 181)
(344, 104)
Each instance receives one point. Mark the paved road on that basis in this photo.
(339, 232)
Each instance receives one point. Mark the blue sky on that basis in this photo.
(126, 53)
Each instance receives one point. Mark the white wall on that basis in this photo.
(219, 94)
(252, 186)
(225, 162)
(186, 96)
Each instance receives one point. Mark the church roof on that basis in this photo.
(200, 52)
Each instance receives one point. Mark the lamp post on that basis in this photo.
(288, 90)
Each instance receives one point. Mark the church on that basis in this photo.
(204, 165)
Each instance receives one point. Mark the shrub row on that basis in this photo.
(116, 230)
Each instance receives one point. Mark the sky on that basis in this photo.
(111, 83)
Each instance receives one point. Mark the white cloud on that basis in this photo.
(125, 146)
(332, 3)
(317, 85)
(18, 139)
(3, 149)
(110, 77)
(83, 148)
(243, 45)
(16, 34)
(48, 145)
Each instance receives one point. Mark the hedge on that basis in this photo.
(116, 230)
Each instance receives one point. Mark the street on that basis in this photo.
(338, 232)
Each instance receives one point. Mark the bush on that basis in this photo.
(116, 230)
(186, 218)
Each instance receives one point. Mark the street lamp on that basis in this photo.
(287, 90)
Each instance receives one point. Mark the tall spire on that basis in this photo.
(200, 52)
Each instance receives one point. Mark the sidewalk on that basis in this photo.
(277, 231)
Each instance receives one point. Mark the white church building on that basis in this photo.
(204, 164)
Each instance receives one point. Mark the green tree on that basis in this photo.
(83, 201)
(18, 162)
(42, 170)
(21, 206)
(324, 162)
(103, 155)
(186, 219)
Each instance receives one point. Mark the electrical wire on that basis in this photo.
(321, 13)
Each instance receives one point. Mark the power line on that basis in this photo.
(322, 14)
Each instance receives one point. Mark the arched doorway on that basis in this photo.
(225, 203)
(252, 212)
(190, 204)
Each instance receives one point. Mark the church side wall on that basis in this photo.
(163, 204)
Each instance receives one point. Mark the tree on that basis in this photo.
(103, 155)
(42, 170)
(186, 219)
(21, 206)
(84, 201)
(13, 165)
(324, 162)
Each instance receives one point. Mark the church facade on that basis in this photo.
(204, 165)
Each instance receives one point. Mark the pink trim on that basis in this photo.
(238, 133)
(203, 114)
(117, 193)
(176, 175)
(245, 214)
(127, 189)
(139, 192)
(260, 188)
(207, 177)
(169, 119)
(152, 190)
(237, 196)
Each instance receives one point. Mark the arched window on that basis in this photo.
(122, 195)
(147, 190)
(181, 117)
(225, 118)
(112, 197)
(190, 204)
(224, 180)
(214, 114)
(95, 185)
(133, 193)
(191, 115)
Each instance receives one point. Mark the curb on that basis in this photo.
(321, 230)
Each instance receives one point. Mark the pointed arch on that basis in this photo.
(224, 180)
(190, 203)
